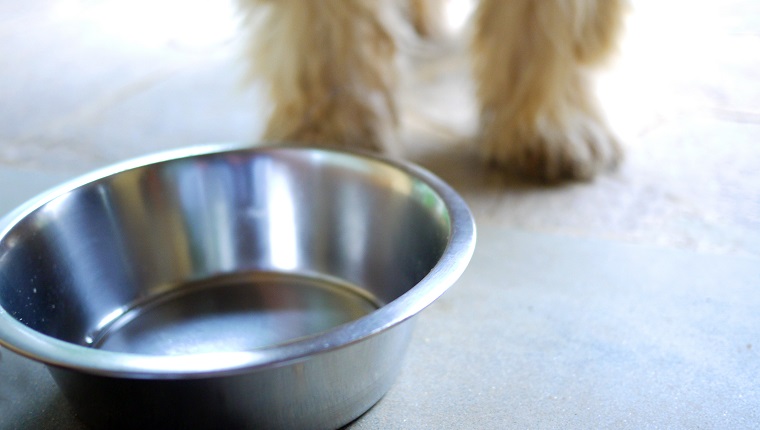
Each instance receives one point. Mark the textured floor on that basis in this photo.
(585, 305)
(88, 83)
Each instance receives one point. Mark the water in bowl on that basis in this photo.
(239, 312)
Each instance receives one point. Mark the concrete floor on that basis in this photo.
(88, 83)
(625, 302)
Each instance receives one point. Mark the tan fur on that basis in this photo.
(330, 69)
(427, 17)
(532, 61)
(330, 66)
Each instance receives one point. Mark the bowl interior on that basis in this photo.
(235, 250)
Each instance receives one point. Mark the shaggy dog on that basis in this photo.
(331, 74)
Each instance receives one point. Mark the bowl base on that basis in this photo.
(239, 312)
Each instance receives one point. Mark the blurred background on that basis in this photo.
(85, 83)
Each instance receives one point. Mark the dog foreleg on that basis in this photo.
(330, 70)
(533, 61)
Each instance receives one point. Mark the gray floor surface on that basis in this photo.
(626, 302)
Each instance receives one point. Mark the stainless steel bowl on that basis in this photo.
(224, 287)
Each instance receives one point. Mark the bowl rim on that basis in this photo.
(26, 341)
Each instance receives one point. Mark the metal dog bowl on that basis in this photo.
(225, 287)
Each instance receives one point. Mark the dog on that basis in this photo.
(331, 75)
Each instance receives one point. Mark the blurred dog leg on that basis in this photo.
(330, 70)
(533, 62)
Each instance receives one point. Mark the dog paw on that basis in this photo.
(338, 125)
(322, 135)
(576, 149)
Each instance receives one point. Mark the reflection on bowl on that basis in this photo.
(228, 287)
